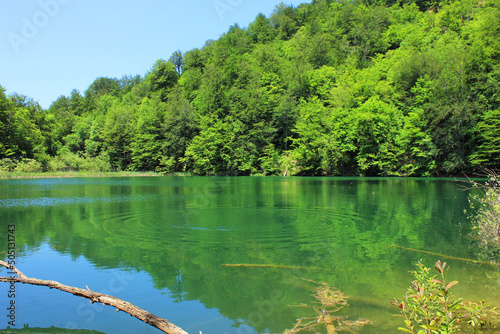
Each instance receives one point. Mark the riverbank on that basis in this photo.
(72, 174)
(48, 175)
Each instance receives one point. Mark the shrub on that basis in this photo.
(44, 160)
(29, 166)
(485, 216)
(99, 164)
(56, 164)
(167, 165)
(7, 165)
(429, 307)
(72, 162)
(65, 162)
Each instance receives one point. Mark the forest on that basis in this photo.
(362, 88)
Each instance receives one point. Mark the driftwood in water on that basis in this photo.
(278, 266)
(96, 297)
(446, 256)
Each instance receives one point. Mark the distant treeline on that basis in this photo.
(363, 87)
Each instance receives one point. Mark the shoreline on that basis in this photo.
(54, 175)
(50, 175)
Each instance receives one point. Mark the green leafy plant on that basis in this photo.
(28, 166)
(477, 316)
(485, 217)
(429, 304)
(7, 165)
(429, 307)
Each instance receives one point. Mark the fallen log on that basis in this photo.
(95, 297)
(278, 266)
(446, 256)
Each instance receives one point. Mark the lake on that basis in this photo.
(162, 243)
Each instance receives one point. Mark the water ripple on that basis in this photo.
(56, 201)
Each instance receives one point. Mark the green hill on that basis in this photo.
(328, 88)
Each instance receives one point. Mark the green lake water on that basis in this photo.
(161, 243)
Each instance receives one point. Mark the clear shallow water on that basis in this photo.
(160, 243)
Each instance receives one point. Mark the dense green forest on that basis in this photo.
(362, 87)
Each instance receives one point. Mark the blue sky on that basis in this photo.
(49, 47)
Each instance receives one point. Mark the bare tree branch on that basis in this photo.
(96, 297)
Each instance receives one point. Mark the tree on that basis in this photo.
(312, 128)
(5, 124)
(261, 30)
(24, 137)
(488, 152)
(147, 141)
(377, 126)
(64, 119)
(284, 21)
(177, 60)
(100, 87)
(117, 134)
(161, 79)
(128, 82)
(193, 59)
(179, 127)
(76, 102)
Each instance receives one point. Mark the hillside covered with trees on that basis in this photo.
(363, 87)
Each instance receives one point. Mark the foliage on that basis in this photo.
(379, 88)
(429, 307)
(7, 165)
(72, 162)
(488, 153)
(485, 216)
(479, 316)
(28, 166)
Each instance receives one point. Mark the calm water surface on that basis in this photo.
(161, 244)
